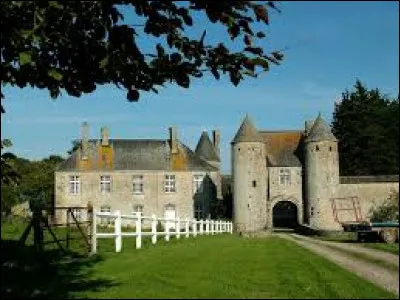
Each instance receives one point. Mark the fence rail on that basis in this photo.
(172, 227)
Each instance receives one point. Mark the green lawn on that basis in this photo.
(202, 267)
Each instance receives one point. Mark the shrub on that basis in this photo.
(388, 211)
(160, 227)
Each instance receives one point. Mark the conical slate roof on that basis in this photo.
(320, 131)
(205, 149)
(247, 132)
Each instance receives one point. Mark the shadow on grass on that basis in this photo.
(52, 274)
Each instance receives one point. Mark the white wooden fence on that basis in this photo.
(191, 227)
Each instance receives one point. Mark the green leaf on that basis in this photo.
(250, 73)
(53, 73)
(103, 62)
(55, 4)
(261, 62)
(25, 58)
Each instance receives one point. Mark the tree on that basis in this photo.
(34, 178)
(366, 124)
(76, 45)
(388, 211)
(9, 175)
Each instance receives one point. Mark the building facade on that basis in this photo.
(161, 177)
(278, 175)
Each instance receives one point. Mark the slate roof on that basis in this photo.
(206, 149)
(320, 131)
(283, 148)
(139, 154)
(247, 132)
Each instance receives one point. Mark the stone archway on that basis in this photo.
(285, 215)
(272, 202)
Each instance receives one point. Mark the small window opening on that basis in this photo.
(317, 148)
(254, 183)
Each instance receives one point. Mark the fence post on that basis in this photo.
(187, 227)
(94, 232)
(194, 227)
(154, 229)
(117, 228)
(207, 226)
(167, 230)
(212, 227)
(138, 230)
(178, 228)
(201, 227)
(230, 227)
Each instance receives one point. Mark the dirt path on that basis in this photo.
(373, 253)
(387, 279)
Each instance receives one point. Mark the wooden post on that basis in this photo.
(117, 228)
(178, 228)
(94, 232)
(154, 229)
(167, 230)
(230, 227)
(89, 216)
(207, 226)
(138, 230)
(201, 227)
(194, 227)
(187, 227)
(212, 227)
(67, 238)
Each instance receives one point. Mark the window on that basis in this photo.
(137, 184)
(198, 183)
(317, 148)
(198, 212)
(105, 220)
(105, 183)
(77, 214)
(254, 183)
(74, 185)
(138, 209)
(284, 177)
(169, 184)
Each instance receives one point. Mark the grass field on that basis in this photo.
(202, 267)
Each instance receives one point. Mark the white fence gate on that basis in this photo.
(191, 227)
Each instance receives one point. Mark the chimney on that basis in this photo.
(104, 136)
(85, 140)
(216, 140)
(173, 139)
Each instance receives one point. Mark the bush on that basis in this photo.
(388, 211)
(160, 227)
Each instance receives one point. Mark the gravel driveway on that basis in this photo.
(381, 276)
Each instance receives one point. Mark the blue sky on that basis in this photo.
(331, 44)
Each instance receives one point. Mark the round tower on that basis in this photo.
(321, 174)
(249, 175)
